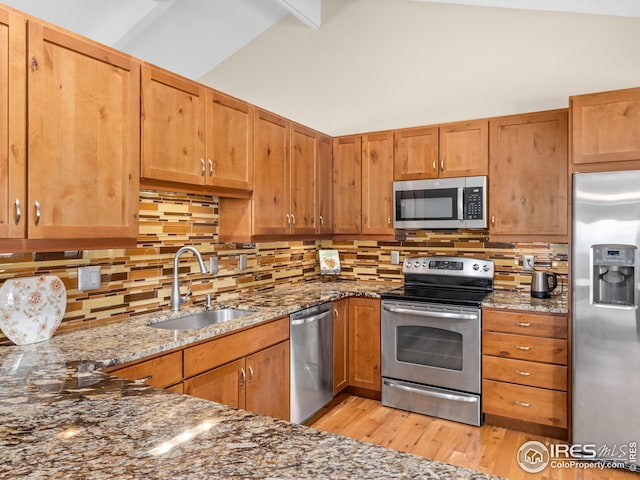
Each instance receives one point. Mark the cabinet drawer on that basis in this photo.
(222, 350)
(531, 404)
(163, 371)
(554, 326)
(523, 372)
(537, 349)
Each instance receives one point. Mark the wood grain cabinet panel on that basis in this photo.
(416, 153)
(224, 384)
(528, 177)
(364, 344)
(267, 390)
(605, 128)
(347, 185)
(83, 138)
(303, 180)
(377, 183)
(340, 345)
(525, 323)
(13, 129)
(160, 371)
(525, 347)
(533, 374)
(324, 177)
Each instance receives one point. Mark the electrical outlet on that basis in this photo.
(242, 262)
(88, 278)
(395, 257)
(528, 262)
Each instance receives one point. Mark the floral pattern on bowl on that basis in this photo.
(31, 308)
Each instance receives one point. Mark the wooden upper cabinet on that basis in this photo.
(324, 179)
(464, 149)
(416, 153)
(271, 214)
(347, 184)
(451, 150)
(528, 192)
(13, 108)
(173, 127)
(377, 183)
(229, 142)
(83, 137)
(303, 180)
(605, 127)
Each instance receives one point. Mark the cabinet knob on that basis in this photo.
(18, 211)
(204, 169)
(210, 168)
(37, 219)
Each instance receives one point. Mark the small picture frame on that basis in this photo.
(329, 262)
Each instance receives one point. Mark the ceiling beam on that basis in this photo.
(308, 12)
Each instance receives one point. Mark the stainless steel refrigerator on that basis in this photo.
(605, 314)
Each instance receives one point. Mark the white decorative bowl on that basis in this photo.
(31, 308)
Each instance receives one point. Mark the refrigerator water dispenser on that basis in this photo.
(613, 274)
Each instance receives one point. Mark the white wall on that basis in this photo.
(381, 64)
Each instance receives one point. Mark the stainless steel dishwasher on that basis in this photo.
(311, 361)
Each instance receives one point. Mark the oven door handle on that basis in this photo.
(431, 393)
(424, 313)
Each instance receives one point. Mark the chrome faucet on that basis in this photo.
(176, 299)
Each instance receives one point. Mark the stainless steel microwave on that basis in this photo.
(444, 203)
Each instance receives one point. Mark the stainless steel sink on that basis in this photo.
(202, 319)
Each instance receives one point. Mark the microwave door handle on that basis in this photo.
(460, 203)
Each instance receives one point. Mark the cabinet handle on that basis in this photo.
(18, 211)
(521, 347)
(293, 219)
(243, 377)
(522, 404)
(204, 170)
(524, 374)
(493, 220)
(143, 379)
(321, 221)
(37, 205)
(442, 165)
(434, 166)
(335, 312)
(250, 375)
(523, 324)
(389, 220)
(210, 168)
(288, 220)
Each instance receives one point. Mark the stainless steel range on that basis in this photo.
(431, 354)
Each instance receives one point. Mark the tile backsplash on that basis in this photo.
(138, 280)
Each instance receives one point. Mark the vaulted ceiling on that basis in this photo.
(191, 37)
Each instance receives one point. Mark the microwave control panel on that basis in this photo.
(473, 207)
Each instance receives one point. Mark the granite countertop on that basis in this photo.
(63, 419)
(511, 300)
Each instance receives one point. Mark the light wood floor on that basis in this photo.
(487, 448)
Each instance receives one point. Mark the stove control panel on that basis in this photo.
(456, 266)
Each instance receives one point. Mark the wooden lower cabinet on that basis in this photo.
(525, 371)
(160, 371)
(340, 345)
(258, 382)
(364, 344)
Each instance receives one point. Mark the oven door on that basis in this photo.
(431, 344)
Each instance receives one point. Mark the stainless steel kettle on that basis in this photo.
(543, 283)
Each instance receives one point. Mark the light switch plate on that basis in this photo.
(213, 265)
(395, 257)
(88, 278)
(242, 262)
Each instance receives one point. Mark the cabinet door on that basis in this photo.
(416, 153)
(225, 384)
(364, 343)
(267, 390)
(325, 186)
(271, 187)
(464, 149)
(347, 185)
(605, 127)
(229, 142)
(528, 176)
(13, 143)
(304, 187)
(84, 138)
(377, 183)
(173, 112)
(340, 345)
(161, 371)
